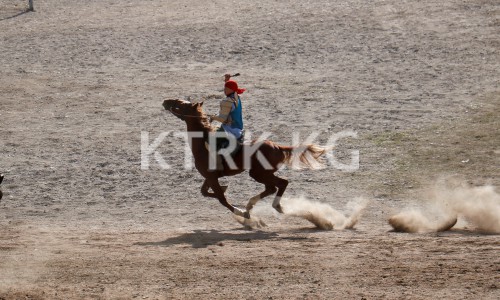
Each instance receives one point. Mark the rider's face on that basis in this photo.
(228, 91)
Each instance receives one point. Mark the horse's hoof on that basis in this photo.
(242, 213)
(278, 208)
(1, 178)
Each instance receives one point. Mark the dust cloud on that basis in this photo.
(322, 214)
(448, 200)
(253, 223)
(415, 221)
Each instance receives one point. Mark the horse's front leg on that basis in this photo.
(206, 186)
(218, 192)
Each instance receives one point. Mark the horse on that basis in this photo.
(261, 158)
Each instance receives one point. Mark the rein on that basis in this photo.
(186, 116)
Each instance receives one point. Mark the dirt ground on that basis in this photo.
(82, 81)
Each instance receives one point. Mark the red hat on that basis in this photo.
(231, 84)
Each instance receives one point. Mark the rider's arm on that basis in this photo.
(225, 110)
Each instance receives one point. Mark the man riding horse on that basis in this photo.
(261, 158)
(230, 114)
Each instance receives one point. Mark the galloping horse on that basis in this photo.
(263, 163)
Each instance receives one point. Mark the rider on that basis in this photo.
(230, 114)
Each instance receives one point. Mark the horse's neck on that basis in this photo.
(197, 135)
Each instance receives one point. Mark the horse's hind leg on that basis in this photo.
(270, 189)
(264, 178)
(281, 184)
(272, 183)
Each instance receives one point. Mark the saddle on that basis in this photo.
(222, 142)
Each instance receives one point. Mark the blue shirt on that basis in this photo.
(236, 126)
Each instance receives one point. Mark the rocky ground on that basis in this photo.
(415, 84)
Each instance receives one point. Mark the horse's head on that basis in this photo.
(183, 109)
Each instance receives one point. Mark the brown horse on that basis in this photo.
(262, 159)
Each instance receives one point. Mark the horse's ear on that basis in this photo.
(198, 104)
(201, 103)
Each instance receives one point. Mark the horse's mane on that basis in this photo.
(204, 119)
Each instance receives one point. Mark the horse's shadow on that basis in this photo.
(205, 238)
(15, 15)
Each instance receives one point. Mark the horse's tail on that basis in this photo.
(304, 156)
